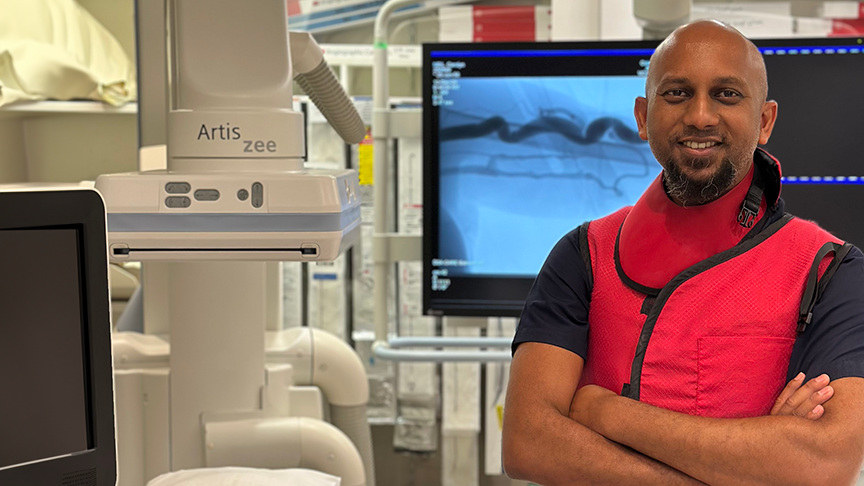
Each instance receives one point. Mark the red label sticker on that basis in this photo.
(847, 28)
(502, 23)
(294, 8)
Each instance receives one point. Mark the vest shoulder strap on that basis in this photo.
(585, 252)
(816, 285)
(599, 234)
(819, 274)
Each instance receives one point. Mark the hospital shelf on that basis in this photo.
(45, 108)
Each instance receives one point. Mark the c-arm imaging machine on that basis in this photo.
(214, 380)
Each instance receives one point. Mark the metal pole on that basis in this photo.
(381, 176)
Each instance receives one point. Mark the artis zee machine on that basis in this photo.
(215, 380)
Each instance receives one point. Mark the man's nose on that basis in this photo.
(702, 112)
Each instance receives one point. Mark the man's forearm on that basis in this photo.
(762, 450)
(563, 452)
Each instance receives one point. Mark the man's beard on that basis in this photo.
(691, 192)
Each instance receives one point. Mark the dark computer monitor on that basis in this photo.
(56, 385)
(525, 141)
(817, 85)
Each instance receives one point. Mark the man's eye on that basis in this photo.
(676, 93)
(728, 93)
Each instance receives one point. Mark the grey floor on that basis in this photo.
(401, 469)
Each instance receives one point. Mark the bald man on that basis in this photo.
(655, 343)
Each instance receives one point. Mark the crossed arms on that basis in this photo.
(555, 436)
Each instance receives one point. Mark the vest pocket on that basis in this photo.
(740, 376)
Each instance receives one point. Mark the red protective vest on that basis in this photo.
(716, 340)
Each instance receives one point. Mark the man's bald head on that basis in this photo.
(705, 110)
(704, 34)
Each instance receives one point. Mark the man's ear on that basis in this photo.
(767, 120)
(640, 111)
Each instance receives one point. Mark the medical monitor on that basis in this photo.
(523, 142)
(56, 392)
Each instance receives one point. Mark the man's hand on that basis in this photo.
(801, 401)
(832, 440)
(804, 401)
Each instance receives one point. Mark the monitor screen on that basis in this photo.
(44, 400)
(817, 85)
(524, 142)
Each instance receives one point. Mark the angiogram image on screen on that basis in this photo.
(523, 161)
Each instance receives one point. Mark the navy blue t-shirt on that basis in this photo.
(556, 312)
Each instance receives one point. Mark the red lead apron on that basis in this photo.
(717, 339)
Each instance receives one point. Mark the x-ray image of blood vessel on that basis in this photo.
(523, 161)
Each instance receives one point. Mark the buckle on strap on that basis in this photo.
(747, 216)
(753, 201)
(804, 321)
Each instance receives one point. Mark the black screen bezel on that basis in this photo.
(508, 293)
(84, 211)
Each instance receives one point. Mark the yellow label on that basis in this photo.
(499, 409)
(365, 161)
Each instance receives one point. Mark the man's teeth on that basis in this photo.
(703, 145)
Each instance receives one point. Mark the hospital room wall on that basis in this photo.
(118, 16)
(63, 147)
(12, 159)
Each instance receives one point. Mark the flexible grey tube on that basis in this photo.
(310, 91)
(327, 94)
(353, 422)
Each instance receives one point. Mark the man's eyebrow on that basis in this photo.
(678, 80)
(730, 80)
(684, 81)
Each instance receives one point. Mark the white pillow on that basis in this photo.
(237, 476)
(54, 49)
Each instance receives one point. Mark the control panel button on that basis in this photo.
(242, 194)
(206, 195)
(257, 195)
(178, 202)
(178, 188)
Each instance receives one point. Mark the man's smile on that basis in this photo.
(699, 148)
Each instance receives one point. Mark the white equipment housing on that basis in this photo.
(235, 187)
(253, 216)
